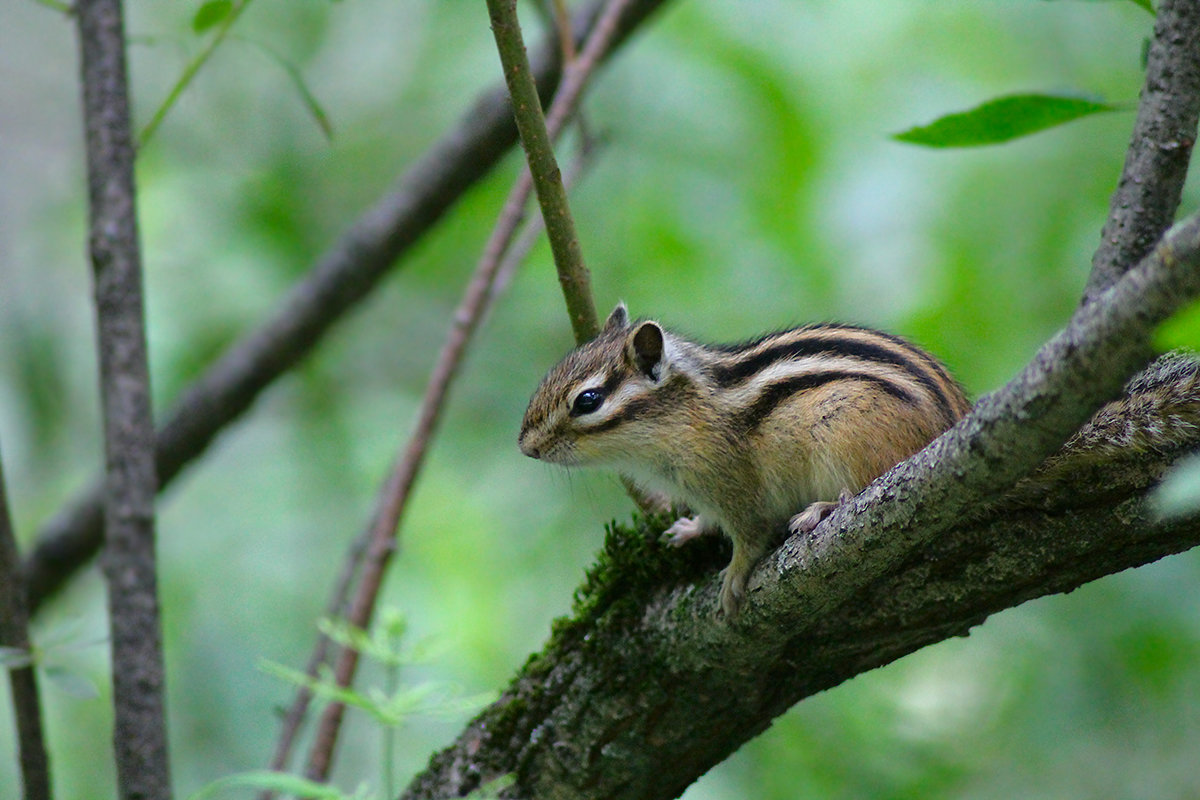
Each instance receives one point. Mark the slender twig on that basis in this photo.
(1160, 148)
(499, 254)
(14, 633)
(335, 609)
(547, 180)
(466, 319)
(139, 733)
(394, 495)
(513, 256)
(535, 226)
(344, 275)
(562, 23)
(190, 70)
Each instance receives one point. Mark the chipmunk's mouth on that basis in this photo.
(528, 447)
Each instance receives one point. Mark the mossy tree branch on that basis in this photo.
(642, 692)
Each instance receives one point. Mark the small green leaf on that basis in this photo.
(212, 13)
(58, 5)
(1002, 120)
(279, 782)
(71, 683)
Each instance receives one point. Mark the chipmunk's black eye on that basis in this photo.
(587, 401)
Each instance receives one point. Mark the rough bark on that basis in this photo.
(1156, 163)
(14, 633)
(139, 731)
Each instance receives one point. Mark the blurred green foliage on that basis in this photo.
(748, 145)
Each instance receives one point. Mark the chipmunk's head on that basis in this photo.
(593, 406)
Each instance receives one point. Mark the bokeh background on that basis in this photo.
(747, 183)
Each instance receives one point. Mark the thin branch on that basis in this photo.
(1156, 163)
(562, 23)
(14, 633)
(139, 733)
(908, 562)
(346, 274)
(518, 251)
(547, 180)
(513, 255)
(473, 306)
(336, 608)
(395, 493)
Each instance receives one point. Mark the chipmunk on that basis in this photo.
(775, 431)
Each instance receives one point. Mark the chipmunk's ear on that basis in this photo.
(619, 318)
(644, 349)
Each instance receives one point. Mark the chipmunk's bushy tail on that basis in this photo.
(1159, 412)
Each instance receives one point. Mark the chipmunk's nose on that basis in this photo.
(528, 447)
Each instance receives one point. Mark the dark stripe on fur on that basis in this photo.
(776, 393)
(821, 342)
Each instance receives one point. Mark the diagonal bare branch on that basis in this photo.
(1156, 163)
(342, 277)
(23, 683)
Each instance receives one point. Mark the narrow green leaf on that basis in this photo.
(210, 14)
(279, 782)
(57, 5)
(314, 107)
(1002, 120)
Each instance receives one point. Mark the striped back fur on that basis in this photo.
(638, 393)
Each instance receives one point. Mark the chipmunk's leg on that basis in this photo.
(687, 528)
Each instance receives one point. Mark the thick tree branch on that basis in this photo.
(643, 692)
(343, 276)
(139, 731)
(14, 633)
(1156, 163)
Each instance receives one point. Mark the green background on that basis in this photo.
(747, 183)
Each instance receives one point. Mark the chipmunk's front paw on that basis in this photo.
(809, 518)
(685, 529)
